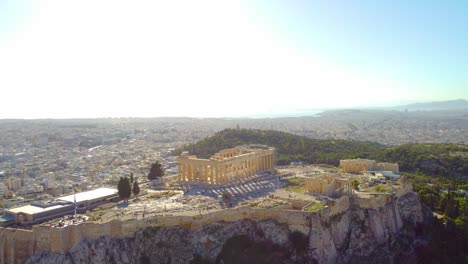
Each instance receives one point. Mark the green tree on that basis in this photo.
(156, 171)
(226, 195)
(136, 189)
(355, 184)
(124, 188)
(378, 188)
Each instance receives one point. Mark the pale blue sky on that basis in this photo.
(425, 42)
(99, 58)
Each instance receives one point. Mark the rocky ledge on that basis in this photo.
(356, 235)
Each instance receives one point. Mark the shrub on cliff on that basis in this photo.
(124, 189)
(156, 171)
(136, 188)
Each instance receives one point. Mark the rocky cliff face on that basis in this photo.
(356, 235)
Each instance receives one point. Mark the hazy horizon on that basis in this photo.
(286, 113)
(91, 59)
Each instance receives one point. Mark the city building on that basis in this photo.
(41, 212)
(36, 212)
(91, 199)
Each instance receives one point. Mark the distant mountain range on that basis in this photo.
(458, 104)
(439, 105)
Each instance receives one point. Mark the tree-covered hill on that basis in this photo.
(289, 147)
(430, 159)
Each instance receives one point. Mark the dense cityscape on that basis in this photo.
(40, 159)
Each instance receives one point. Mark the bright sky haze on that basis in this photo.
(110, 58)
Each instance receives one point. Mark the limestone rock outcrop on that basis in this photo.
(355, 235)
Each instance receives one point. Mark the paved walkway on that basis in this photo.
(293, 195)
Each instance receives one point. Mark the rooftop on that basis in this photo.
(34, 209)
(89, 195)
(6, 218)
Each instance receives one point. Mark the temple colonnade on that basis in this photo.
(226, 165)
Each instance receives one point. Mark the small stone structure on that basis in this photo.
(360, 165)
(329, 184)
(226, 165)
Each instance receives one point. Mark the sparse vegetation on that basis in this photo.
(382, 188)
(355, 184)
(314, 207)
(198, 216)
(268, 203)
(160, 195)
(295, 184)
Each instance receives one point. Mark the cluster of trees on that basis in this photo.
(449, 230)
(126, 187)
(447, 243)
(445, 196)
(430, 159)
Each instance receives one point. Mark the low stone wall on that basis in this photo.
(373, 203)
(17, 245)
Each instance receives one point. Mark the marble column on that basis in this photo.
(204, 174)
(222, 169)
(211, 175)
(179, 172)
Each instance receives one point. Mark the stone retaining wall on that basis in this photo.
(17, 245)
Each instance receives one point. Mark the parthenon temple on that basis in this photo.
(226, 165)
